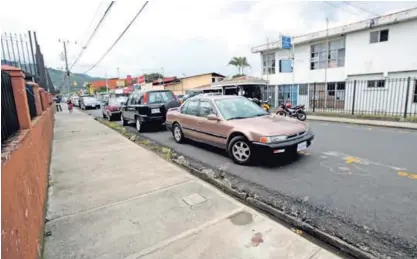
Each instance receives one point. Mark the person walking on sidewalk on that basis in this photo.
(70, 105)
(58, 104)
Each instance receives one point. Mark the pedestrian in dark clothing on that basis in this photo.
(58, 104)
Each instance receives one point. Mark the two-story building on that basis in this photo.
(364, 66)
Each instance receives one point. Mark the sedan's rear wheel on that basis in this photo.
(240, 150)
(124, 122)
(177, 133)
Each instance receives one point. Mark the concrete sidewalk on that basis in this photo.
(381, 123)
(110, 198)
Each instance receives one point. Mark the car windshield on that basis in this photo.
(121, 99)
(239, 108)
(160, 97)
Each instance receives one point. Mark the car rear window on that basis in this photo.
(160, 97)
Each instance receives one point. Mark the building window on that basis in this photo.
(268, 63)
(285, 66)
(376, 83)
(213, 80)
(335, 52)
(379, 36)
(303, 89)
(415, 92)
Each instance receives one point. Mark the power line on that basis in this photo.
(117, 40)
(360, 8)
(340, 7)
(93, 34)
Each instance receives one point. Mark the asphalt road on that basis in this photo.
(366, 175)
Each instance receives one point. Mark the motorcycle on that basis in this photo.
(264, 104)
(296, 112)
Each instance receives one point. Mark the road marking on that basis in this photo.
(403, 131)
(351, 159)
(409, 175)
(324, 124)
(369, 128)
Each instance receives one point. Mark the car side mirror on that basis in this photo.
(213, 117)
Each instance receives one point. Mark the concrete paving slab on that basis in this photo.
(137, 205)
(242, 235)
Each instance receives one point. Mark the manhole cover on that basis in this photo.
(193, 199)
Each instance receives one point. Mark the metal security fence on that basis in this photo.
(383, 97)
(9, 120)
(31, 101)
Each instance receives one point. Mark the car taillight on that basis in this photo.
(145, 98)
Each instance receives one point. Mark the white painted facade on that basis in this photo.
(395, 57)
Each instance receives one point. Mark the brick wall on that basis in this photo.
(24, 175)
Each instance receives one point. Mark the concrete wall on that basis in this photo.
(24, 176)
(399, 53)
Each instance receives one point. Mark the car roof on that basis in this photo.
(217, 97)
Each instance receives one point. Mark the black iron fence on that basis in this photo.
(23, 51)
(31, 101)
(9, 119)
(387, 97)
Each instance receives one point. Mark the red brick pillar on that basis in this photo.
(36, 92)
(44, 98)
(20, 97)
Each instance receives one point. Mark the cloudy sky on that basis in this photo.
(178, 37)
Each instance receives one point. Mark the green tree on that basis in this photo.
(152, 77)
(240, 63)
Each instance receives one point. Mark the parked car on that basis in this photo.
(75, 100)
(148, 107)
(111, 109)
(89, 102)
(238, 125)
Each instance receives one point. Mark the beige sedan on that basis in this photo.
(237, 125)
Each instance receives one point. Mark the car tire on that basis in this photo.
(124, 122)
(177, 133)
(240, 150)
(110, 117)
(139, 125)
(104, 115)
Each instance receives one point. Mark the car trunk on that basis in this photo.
(159, 102)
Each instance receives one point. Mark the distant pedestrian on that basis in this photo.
(70, 105)
(58, 104)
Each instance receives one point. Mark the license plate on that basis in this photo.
(302, 146)
(157, 110)
(93, 105)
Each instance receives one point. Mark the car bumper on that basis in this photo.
(153, 119)
(282, 147)
(114, 113)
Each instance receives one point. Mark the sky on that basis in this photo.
(175, 37)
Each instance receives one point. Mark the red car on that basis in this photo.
(111, 109)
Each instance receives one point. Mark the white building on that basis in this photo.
(380, 54)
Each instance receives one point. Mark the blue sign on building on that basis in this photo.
(286, 42)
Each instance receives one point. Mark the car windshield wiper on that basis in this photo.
(238, 118)
(261, 114)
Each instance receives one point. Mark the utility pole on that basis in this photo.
(67, 70)
(327, 63)
(118, 73)
(107, 85)
(293, 66)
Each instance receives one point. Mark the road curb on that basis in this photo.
(218, 179)
(360, 123)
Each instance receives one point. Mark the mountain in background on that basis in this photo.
(60, 81)
(57, 76)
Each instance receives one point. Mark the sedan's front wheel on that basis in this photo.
(139, 125)
(177, 133)
(240, 151)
